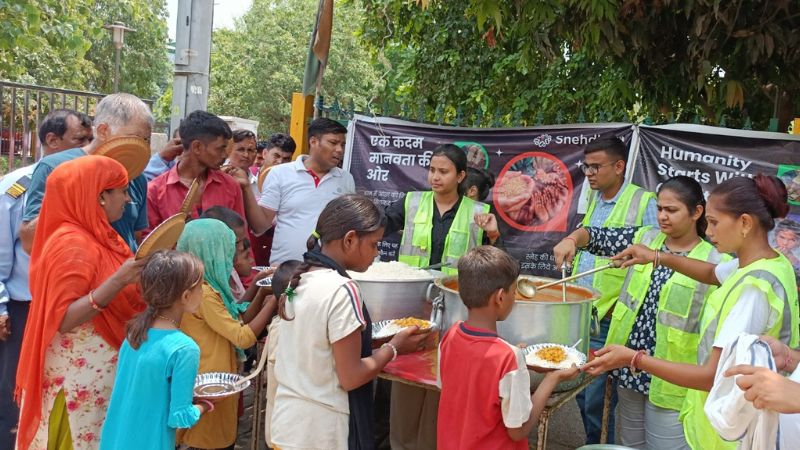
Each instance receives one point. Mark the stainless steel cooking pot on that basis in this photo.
(543, 319)
(394, 299)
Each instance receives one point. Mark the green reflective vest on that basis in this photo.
(464, 234)
(628, 212)
(680, 305)
(775, 278)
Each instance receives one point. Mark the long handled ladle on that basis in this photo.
(261, 362)
(435, 266)
(528, 288)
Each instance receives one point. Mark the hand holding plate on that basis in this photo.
(129, 271)
(609, 358)
(409, 340)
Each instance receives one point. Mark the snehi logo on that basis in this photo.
(542, 141)
(581, 139)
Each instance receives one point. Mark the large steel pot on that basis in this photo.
(544, 319)
(395, 299)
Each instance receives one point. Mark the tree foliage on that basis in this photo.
(662, 58)
(39, 39)
(145, 68)
(257, 66)
(62, 43)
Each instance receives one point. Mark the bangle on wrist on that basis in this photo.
(394, 350)
(788, 359)
(634, 367)
(94, 304)
(570, 238)
(207, 404)
(657, 259)
(493, 236)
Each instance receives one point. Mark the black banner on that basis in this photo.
(712, 155)
(538, 184)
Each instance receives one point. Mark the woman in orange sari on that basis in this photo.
(82, 280)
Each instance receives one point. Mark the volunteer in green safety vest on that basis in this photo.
(658, 310)
(613, 203)
(757, 295)
(440, 225)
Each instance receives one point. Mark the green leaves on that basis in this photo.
(665, 59)
(257, 66)
(62, 43)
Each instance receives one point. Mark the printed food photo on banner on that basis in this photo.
(477, 156)
(534, 193)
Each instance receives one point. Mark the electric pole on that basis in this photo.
(192, 58)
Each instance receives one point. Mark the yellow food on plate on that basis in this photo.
(552, 354)
(410, 322)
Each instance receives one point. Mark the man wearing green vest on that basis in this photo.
(613, 203)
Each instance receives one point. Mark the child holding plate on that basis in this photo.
(324, 362)
(486, 400)
(152, 394)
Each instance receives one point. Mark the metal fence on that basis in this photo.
(22, 109)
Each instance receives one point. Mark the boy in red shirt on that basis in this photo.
(486, 402)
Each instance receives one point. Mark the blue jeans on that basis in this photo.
(590, 400)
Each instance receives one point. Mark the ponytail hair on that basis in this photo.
(764, 197)
(481, 179)
(165, 277)
(352, 212)
(690, 193)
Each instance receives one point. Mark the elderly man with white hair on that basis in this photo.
(115, 115)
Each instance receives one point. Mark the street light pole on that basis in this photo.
(118, 30)
(118, 51)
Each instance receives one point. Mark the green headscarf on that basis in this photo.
(215, 245)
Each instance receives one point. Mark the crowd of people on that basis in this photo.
(80, 314)
(101, 350)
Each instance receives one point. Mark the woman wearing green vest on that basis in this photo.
(757, 295)
(657, 311)
(440, 225)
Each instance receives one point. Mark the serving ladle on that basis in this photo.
(528, 288)
(254, 374)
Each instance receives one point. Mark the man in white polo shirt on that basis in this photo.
(295, 193)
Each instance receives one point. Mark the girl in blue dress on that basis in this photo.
(153, 391)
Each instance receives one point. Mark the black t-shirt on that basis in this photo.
(396, 220)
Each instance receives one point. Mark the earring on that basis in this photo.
(102, 203)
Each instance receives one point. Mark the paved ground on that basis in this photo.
(566, 430)
(246, 424)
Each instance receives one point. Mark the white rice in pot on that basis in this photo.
(392, 270)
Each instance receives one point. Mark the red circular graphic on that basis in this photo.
(534, 193)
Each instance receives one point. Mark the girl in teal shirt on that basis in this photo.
(153, 390)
